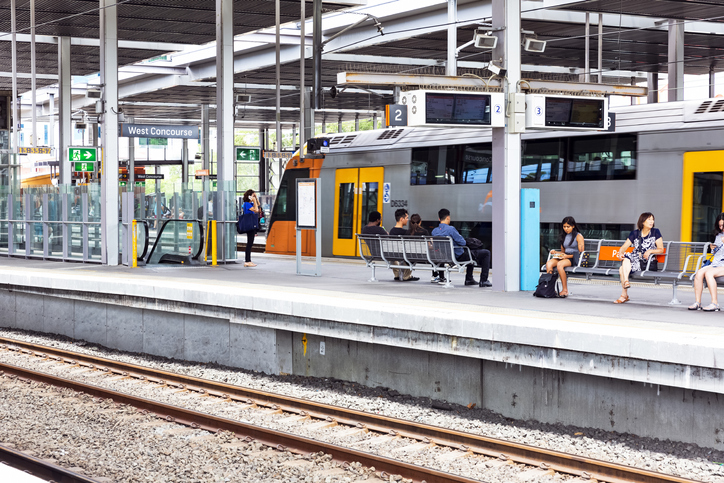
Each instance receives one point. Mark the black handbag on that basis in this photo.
(248, 221)
(473, 243)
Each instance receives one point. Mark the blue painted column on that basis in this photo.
(529, 238)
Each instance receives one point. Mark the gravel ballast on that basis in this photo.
(685, 460)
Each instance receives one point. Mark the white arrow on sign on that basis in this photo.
(87, 154)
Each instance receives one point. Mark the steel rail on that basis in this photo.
(519, 453)
(269, 437)
(41, 469)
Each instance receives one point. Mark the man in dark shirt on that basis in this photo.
(401, 218)
(373, 226)
(482, 257)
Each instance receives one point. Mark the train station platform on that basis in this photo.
(642, 367)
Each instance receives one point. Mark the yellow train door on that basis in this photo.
(357, 193)
(702, 194)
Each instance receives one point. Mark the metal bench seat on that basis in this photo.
(411, 253)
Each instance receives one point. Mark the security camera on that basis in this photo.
(534, 45)
(483, 40)
(93, 93)
(243, 99)
(499, 71)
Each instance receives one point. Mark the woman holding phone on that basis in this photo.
(572, 244)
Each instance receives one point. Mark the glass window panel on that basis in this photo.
(370, 194)
(434, 165)
(477, 163)
(541, 160)
(602, 157)
(345, 225)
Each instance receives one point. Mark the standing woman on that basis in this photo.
(251, 203)
(572, 245)
(713, 270)
(646, 241)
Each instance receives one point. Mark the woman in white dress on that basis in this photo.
(711, 271)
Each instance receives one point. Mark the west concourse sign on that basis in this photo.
(158, 131)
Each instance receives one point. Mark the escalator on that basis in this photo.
(178, 241)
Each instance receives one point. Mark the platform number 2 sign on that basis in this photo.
(396, 114)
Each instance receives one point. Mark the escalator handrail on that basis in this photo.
(142, 256)
(163, 226)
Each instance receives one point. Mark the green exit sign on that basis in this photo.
(84, 167)
(247, 154)
(86, 155)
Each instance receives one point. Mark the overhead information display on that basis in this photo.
(444, 108)
(454, 109)
(565, 112)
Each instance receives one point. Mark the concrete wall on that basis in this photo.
(157, 332)
(249, 340)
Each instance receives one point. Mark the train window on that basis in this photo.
(477, 163)
(549, 233)
(434, 165)
(601, 158)
(345, 225)
(285, 206)
(370, 192)
(541, 160)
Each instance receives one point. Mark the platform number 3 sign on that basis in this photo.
(396, 115)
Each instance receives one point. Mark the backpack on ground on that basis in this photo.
(547, 286)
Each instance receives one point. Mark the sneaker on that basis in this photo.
(435, 280)
(470, 281)
(485, 283)
(411, 279)
(442, 281)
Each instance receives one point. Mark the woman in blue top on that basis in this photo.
(646, 241)
(251, 203)
(711, 271)
(572, 244)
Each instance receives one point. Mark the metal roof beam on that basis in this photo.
(363, 78)
(94, 42)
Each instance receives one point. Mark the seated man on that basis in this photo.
(373, 226)
(401, 219)
(482, 257)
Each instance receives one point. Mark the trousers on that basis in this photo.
(482, 259)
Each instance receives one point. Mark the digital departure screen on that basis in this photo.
(572, 112)
(462, 109)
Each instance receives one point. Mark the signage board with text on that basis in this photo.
(159, 131)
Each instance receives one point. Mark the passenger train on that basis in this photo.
(666, 158)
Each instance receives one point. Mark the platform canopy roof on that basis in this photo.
(173, 87)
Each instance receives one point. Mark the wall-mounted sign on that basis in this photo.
(396, 115)
(86, 155)
(159, 131)
(244, 153)
(149, 176)
(84, 167)
(35, 150)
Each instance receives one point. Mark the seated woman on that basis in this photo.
(571, 247)
(713, 270)
(646, 241)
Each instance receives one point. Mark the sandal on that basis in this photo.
(695, 306)
(711, 308)
(621, 300)
(563, 295)
(626, 285)
(250, 264)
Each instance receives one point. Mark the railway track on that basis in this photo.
(463, 444)
(41, 469)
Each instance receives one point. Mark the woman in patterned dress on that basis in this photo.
(710, 272)
(646, 241)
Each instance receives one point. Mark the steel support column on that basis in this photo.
(506, 158)
(64, 110)
(600, 48)
(33, 86)
(587, 46)
(712, 81)
(184, 164)
(452, 37)
(224, 116)
(205, 142)
(131, 159)
(676, 60)
(302, 89)
(109, 181)
(14, 61)
(277, 19)
(652, 80)
(317, 46)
